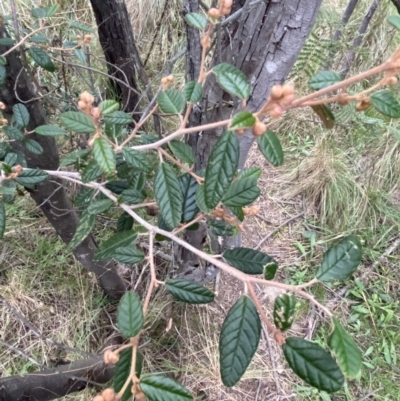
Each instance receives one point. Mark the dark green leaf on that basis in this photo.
(284, 309)
(394, 20)
(117, 186)
(2, 220)
(13, 133)
(238, 212)
(247, 260)
(11, 159)
(104, 155)
(160, 388)
(346, 351)
(137, 181)
(200, 200)
(108, 107)
(386, 104)
(241, 193)
(128, 255)
(239, 338)
(81, 27)
(38, 39)
(6, 41)
(270, 270)
(2, 74)
(30, 177)
(341, 260)
(125, 222)
(123, 368)
(130, 315)
(52, 10)
(77, 122)
(91, 172)
(232, 80)
(33, 146)
(84, 197)
(271, 148)
(41, 58)
(182, 151)
(189, 292)
(196, 20)
(21, 115)
(193, 92)
(80, 55)
(136, 159)
(6, 168)
(99, 206)
(171, 101)
(324, 79)
(108, 248)
(325, 114)
(221, 168)
(189, 206)
(313, 364)
(8, 190)
(3, 61)
(84, 228)
(168, 195)
(39, 12)
(74, 157)
(118, 118)
(221, 228)
(241, 120)
(133, 196)
(50, 130)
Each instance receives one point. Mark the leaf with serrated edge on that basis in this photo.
(130, 315)
(133, 196)
(271, 148)
(168, 195)
(50, 130)
(394, 20)
(324, 79)
(2, 220)
(119, 118)
(221, 168)
(33, 146)
(252, 172)
(247, 260)
(189, 292)
(189, 206)
(104, 155)
(171, 101)
(77, 122)
(125, 222)
(31, 177)
(21, 115)
(193, 92)
(108, 107)
(182, 151)
(241, 120)
(241, 193)
(136, 159)
(347, 353)
(386, 104)
(341, 260)
(196, 20)
(74, 157)
(238, 342)
(201, 203)
(161, 388)
(91, 172)
(99, 206)
(232, 80)
(128, 255)
(270, 270)
(313, 364)
(41, 58)
(83, 229)
(284, 308)
(108, 248)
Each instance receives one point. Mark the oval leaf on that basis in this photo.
(21, 115)
(239, 338)
(341, 260)
(28, 177)
(160, 388)
(386, 104)
(200, 200)
(91, 172)
(232, 80)
(241, 120)
(108, 248)
(241, 193)
(345, 349)
(182, 151)
(324, 79)
(313, 364)
(50, 130)
(77, 122)
(83, 229)
(189, 206)
(168, 195)
(99, 206)
(171, 101)
(118, 118)
(130, 315)
(284, 308)
(133, 196)
(33, 146)
(271, 148)
(41, 58)
(394, 20)
(270, 270)
(136, 159)
(221, 168)
(128, 255)
(108, 107)
(189, 292)
(124, 223)
(248, 260)
(196, 20)
(193, 92)
(13, 133)
(104, 155)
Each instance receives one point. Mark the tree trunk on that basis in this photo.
(118, 43)
(50, 196)
(264, 43)
(54, 383)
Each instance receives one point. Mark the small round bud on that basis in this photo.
(109, 394)
(363, 105)
(2, 106)
(276, 112)
(82, 105)
(288, 90)
(95, 112)
(87, 97)
(3, 121)
(343, 99)
(214, 13)
(391, 81)
(276, 92)
(88, 38)
(240, 131)
(90, 144)
(205, 42)
(287, 100)
(259, 128)
(140, 397)
(98, 398)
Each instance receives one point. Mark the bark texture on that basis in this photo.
(55, 383)
(118, 43)
(50, 196)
